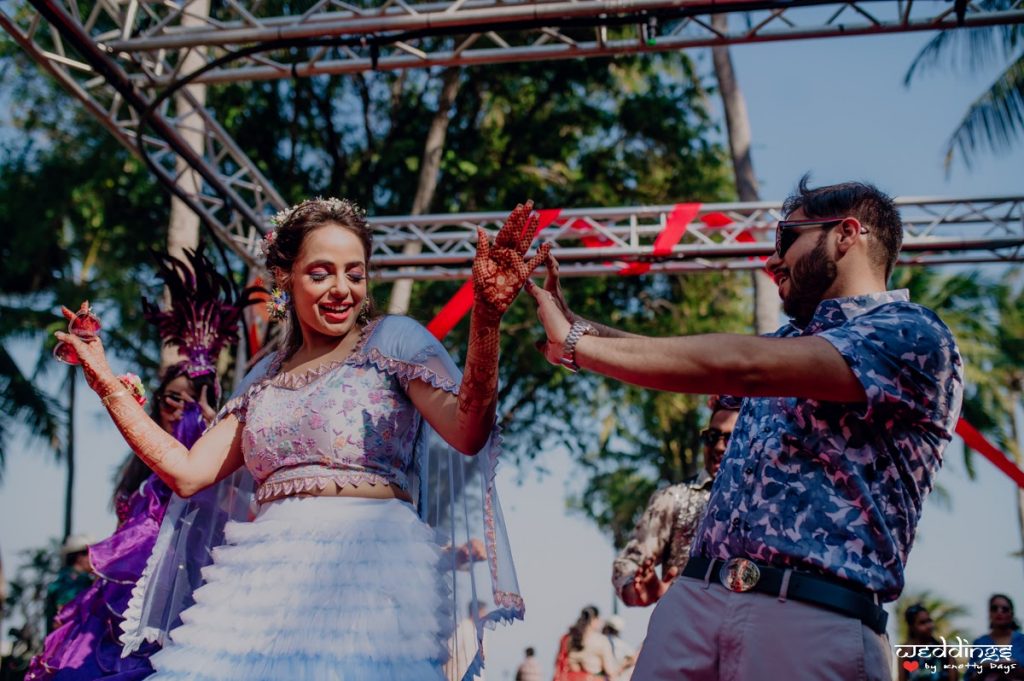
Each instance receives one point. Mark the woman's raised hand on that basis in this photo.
(87, 350)
(499, 269)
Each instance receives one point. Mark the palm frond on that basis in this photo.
(994, 121)
(966, 50)
(22, 402)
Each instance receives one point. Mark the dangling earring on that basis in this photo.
(277, 306)
(364, 310)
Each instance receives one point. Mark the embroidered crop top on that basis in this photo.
(348, 422)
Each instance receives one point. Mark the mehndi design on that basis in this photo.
(499, 272)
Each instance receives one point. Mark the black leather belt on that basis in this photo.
(741, 574)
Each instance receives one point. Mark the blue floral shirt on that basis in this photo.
(838, 488)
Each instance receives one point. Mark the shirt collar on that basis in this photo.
(702, 480)
(835, 311)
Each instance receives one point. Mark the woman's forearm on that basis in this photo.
(158, 448)
(478, 394)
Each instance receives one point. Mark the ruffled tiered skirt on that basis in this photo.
(318, 588)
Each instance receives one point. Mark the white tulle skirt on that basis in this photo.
(318, 588)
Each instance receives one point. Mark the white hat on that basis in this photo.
(75, 543)
(615, 622)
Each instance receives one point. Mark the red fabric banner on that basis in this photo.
(675, 227)
(975, 440)
(453, 311)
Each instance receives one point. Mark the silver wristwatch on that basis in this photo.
(578, 330)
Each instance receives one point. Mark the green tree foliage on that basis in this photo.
(566, 133)
(995, 120)
(24, 605)
(574, 133)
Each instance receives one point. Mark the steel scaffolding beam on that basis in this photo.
(117, 57)
(726, 236)
(402, 35)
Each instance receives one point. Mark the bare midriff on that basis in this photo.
(362, 491)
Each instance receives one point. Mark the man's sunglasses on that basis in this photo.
(788, 231)
(711, 436)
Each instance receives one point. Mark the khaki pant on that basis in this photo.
(701, 631)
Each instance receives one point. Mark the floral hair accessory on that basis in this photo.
(134, 385)
(278, 304)
(268, 240)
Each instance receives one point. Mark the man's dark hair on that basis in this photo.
(530, 652)
(875, 210)
(717, 403)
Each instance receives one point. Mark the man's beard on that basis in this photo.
(809, 279)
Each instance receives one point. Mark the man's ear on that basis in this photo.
(850, 231)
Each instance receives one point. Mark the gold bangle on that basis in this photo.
(116, 393)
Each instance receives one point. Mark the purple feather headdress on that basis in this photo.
(204, 312)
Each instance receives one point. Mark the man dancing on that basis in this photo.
(846, 415)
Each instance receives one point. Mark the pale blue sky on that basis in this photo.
(836, 107)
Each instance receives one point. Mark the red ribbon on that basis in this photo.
(675, 227)
(975, 440)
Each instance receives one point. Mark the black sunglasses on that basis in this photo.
(711, 436)
(788, 231)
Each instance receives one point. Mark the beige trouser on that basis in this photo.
(701, 631)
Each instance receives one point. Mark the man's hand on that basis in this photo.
(646, 587)
(552, 311)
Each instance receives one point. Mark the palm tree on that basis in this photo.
(994, 120)
(21, 399)
(987, 319)
(737, 123)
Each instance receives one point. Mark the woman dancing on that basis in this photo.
(337, 577)
(202, 318)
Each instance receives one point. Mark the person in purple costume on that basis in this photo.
(85, 643)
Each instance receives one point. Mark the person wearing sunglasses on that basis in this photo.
(847, 410)
(1004, 630)
(664, 533)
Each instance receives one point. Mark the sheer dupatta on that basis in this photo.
(190, 529)
(455, 494)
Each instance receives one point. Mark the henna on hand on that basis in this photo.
(152, 443)
(499, 270)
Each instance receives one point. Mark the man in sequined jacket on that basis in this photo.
(846, 413)
(665, 531)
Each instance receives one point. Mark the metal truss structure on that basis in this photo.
(122, 58)
(733, 236)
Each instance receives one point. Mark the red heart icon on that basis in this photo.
(911, 666)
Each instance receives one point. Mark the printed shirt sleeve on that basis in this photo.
(907, 361)
(650, 540)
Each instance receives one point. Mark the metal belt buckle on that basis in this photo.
(739, 574)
